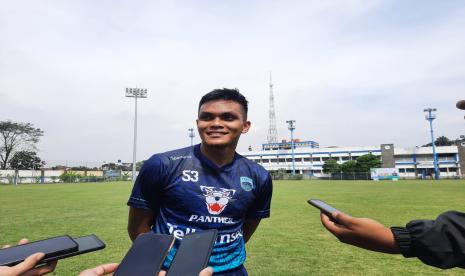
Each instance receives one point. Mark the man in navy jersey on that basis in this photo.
(206, 186)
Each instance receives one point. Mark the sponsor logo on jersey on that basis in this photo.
(217, 199)
(224, 220)
(179, 232)
(180, 157)
(247, 183)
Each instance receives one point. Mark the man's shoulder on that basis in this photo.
(256, 168)
(168, 157)
(179, 154)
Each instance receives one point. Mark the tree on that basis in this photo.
(441, 141)
(25, 160)
(331, 166)
(366, 162)
(349, 166)
(17, 137)
(80, 168)
(139, 165)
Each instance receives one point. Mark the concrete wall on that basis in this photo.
(41, 176)
(387, 156)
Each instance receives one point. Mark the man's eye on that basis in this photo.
(205, 117)
(228, 117)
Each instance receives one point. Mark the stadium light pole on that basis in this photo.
(135, 93)
(430, 117)
(191, 135)
(291, 127)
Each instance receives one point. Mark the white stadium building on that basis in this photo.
(414, 162)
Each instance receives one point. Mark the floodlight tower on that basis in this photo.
(291, 126)
(430, 117)
(191, 135)
(135, 93)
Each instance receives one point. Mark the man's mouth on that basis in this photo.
(216, 133)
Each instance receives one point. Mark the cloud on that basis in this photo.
(350, 72)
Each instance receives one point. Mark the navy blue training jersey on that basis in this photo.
(189, 193)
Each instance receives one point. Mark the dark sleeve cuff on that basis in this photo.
(139, 203)
(403, 240)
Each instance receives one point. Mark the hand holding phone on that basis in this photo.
(54, 249)
(51, 247)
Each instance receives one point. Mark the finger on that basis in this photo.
(328, 223)
(333, 226)
(109, 268)
(343, 219)
(23, 241)
(42, 270)
(162, 273)
(206, 272)
(100, 270)
(28, 263)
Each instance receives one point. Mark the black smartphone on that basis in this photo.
(146, 255)
(86, 244)
(193, 253)
(51, 247)
(323, 206)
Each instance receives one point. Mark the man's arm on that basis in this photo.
(139, 221)
(361, 232)
(250, 225)
(439, 243)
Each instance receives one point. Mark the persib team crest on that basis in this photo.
(247, 183)
(217, 199)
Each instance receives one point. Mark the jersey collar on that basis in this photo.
(209, 163)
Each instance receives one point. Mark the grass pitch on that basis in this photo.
(291, 242)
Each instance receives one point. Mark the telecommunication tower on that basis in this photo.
(272, 132)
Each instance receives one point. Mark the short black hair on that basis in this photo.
(226, 94)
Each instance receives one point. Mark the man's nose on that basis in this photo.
(217, 122)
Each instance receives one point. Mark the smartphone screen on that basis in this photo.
(86, 244)
(51, 247)
(193, 253)
(146, 255)
(323, 206)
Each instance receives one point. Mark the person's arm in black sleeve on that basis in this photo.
(439, 243)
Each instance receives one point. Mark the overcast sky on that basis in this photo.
(351, 73)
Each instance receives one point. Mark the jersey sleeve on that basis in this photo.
(261, 206)
(439, 243)
(146, 193)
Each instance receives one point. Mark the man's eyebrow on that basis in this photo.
(219, 113)
(228, 113)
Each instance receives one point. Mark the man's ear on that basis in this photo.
(247, 125)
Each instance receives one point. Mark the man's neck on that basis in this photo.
(220, 156)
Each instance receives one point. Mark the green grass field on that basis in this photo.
(291, 242)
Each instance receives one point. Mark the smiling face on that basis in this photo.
(221, 123)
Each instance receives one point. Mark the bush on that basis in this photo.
(70, 177)
(283, 175)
